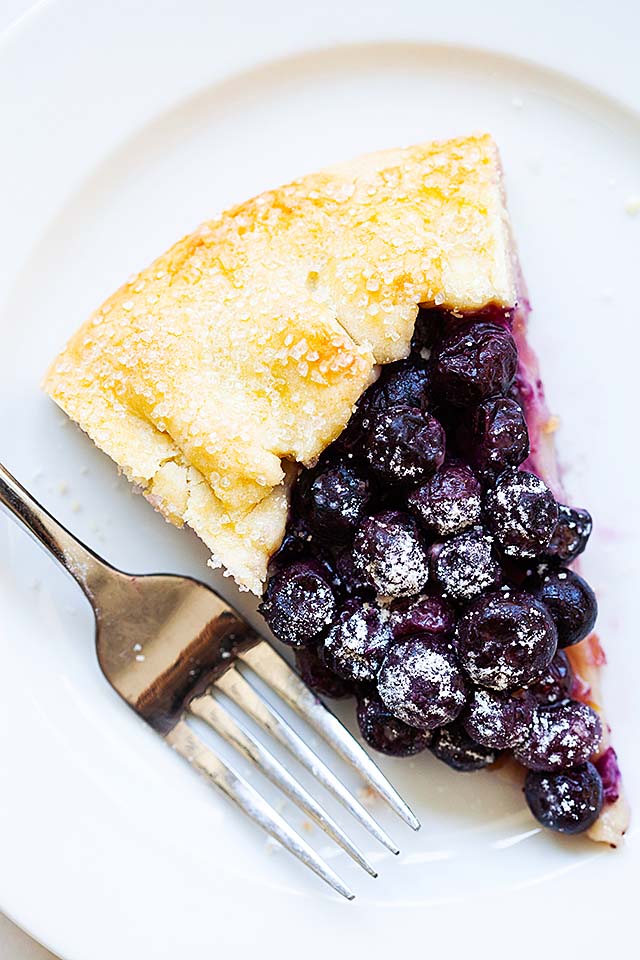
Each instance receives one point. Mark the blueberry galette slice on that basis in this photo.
(331, 384)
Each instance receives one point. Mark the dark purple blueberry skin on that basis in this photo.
(449, 502)
(385, 733)
(569, 801)
(560, 736)
(296, 545)
(318, 677)
(424, 614)
(335, 499)
(350, 581)
(555, 684)
(405, 382)
(497, 437)
(299, 603)
(357, 643)
(521, 513)
(476, 361)
(505, 639)
(421, 683)
(496, 719)
(389, 553)
(464, 566)
(570, 536)
(403, 444)
(429, 328)
(570, 601)
(453, 745)
(607, 767)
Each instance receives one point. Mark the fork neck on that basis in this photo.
(85, 567)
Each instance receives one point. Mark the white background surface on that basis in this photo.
(144, 136)
(14, 944)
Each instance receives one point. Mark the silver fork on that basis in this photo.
(169, 646)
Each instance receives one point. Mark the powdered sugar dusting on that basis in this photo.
(449, 502)
(505, 640)
(388, 551)
(421, 684)
(357, 643)
(560, 736)
(522, 513)
(496, 720)
(569, 801)
(464, 566)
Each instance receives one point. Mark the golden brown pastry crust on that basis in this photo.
(243, 349)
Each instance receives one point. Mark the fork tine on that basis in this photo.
(277, 674)
(189, 746)
(210, 710)
(238, 689)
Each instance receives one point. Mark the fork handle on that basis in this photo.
(83, 565)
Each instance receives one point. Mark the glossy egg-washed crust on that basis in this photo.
(241, 352)
(243, 349)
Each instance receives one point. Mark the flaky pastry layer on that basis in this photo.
(241, 351)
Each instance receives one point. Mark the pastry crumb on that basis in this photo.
(551, 425)
(632, 205)
(367, 795)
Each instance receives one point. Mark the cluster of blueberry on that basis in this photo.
(426, 574)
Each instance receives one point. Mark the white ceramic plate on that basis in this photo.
(122, 127)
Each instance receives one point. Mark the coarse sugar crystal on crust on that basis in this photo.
(241, 351)
(239, 354)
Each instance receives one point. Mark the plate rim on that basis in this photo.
(439, 28)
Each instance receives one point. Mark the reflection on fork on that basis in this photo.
(169, 646)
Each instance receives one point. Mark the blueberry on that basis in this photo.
(405, 382)
(386, 733)
(570, 601)
(299, 603)
(570, 536)
(296, 544)
(421, 683)
(356, 645)
(404, 445)
(555, 684)
(424, 614)
(497, 437)
(607, 767)
(350, 581)
(496, 719)
(505, 639)
(449, 502)
(521, 513)
(318, 677)
(453, 745)
(569, 802)
(475, 361)
(336, 499)
(562, 735)
(429, 327)
(388, 552)
(464, 566)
